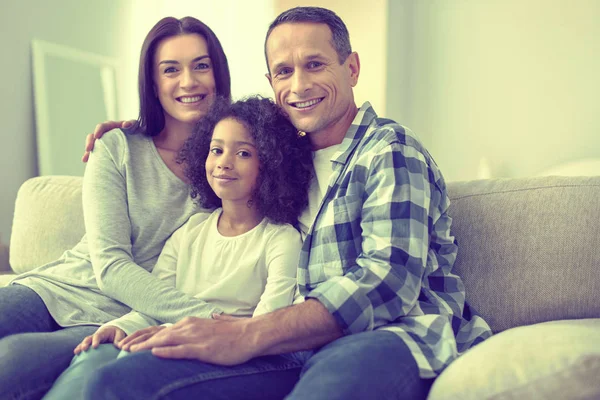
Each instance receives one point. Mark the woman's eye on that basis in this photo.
(203, 66)
(170, 70)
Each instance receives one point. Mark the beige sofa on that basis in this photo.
(528, 253)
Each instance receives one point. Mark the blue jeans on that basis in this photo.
(72, 381)
(368, 365)
(34, 349)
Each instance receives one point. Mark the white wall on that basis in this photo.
(114, 28)
(513, 81)
(240, 26)
(89, 26)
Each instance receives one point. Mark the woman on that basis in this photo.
(134, 198)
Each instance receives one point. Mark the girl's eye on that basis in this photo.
(244, 154)
(216, 150)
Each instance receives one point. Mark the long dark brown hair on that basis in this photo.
(152, 119)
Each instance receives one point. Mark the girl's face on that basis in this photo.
(183, 78)
(232, 164)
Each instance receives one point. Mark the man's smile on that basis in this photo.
(301, 105)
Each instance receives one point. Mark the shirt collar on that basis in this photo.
(366, 114)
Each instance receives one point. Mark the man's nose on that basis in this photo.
(301, 81)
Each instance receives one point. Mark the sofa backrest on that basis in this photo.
(48, 220)
(528, 248)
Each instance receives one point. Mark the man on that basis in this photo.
(383, 313)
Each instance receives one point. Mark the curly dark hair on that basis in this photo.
(285, 158)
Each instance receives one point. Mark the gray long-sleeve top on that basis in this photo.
(132, 203)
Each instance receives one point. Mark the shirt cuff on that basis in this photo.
(346, 302)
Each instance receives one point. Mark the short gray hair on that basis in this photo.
(317, 15)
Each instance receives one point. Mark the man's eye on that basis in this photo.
(284, 71)
(314, 64)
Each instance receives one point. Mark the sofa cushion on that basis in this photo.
(48, 220)
(528, 249)
(551, 360)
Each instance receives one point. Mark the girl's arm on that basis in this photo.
(282, 252)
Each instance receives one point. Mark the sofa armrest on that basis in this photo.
(48, 220)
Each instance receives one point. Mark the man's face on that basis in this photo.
(309, 82)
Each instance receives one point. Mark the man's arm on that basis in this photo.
(300, 327)
(304, 326)
(100, 130)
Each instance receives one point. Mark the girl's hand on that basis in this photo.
(105, 334)
(138, 337)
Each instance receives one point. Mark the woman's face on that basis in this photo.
(183, 78)
(232, 164)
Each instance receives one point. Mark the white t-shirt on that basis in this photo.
(318, 186)
(246, 275)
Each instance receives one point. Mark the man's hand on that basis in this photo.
(216, 341)
(139, 337)
(100, 130)
(105, 334)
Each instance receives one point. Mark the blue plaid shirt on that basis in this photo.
(379, 254)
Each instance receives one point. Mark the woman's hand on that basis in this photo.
(105, 334)
(100, 130)
(139, 336)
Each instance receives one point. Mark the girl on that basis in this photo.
(247, 160)
(134, 198)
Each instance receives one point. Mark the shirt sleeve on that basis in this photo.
(108, 230)
(282, 252)
(166, 271)
(384, 282)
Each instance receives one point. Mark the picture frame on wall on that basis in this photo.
(73, 91)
